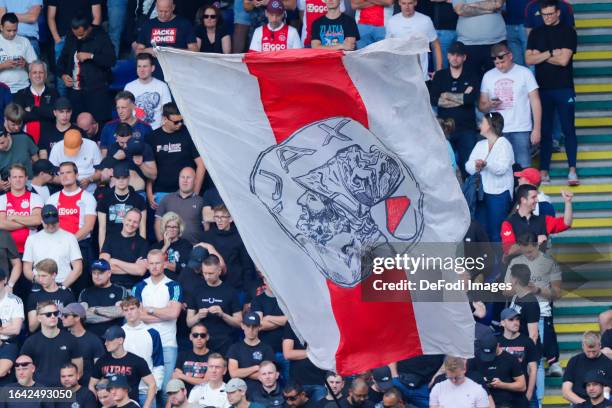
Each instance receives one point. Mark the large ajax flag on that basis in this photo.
(320, 155)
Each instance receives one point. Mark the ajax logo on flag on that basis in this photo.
(337, 192)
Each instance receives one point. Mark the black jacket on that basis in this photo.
(95, 73)
(42, 113)
(240, 267)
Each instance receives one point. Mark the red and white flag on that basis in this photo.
(319, 155)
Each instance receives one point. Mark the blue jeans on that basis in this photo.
(170, 356)
(446, 37)
(492, 211)
(35, 44)
(521, 143)
(369, 34)
(517, 42)
(315, 392)
(117, 9)
(61, 88)
(143, 397)
(283, 366)
(561, 101)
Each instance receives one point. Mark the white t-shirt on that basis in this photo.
(301, 5)
(469, 394)
(16, 78)
(87, 157)
(205, 396)
(512, 88)
(11, 307)
(150, 99)
(86, 205)
(399, 26)
(61, 246)
(293, 38)
(43, 191)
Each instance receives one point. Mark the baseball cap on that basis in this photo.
(100, 265)
(509, 313)
(72, 142)
(121, 170)
(196, 257)
(118, 381)
(594, 376)
(74, 308)
(174, 385)
(113, 332)
(382, 377)
(135, 146)
(62, 103)
(457, 48)
(275, 7)
(49, 214)
(531, 175)
(251, 319)
(43, 166)
(487, 348)
(235, 384)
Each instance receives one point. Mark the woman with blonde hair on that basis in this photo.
(176, 248)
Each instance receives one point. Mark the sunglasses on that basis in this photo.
(25, 364)
(199, 335)
(49, 314)
(291, 398)
(69, 315)
(210, 16)
(500, 56)
(176, 122)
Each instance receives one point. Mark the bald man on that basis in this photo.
(87, 123)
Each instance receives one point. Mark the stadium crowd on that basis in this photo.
(122, 275)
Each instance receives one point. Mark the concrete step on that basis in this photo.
(591, 8)
(593, 105)
(589, 293)
(580, 310)
(594, 23)
(575, 328)
(593, 88)
(593, 122)
(583, 172)
(581, 189)
(594, 39)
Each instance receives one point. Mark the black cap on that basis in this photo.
(135, 146)
(382, 377)
(121, 169)
(596, 377)
(114, 332)
(487, 348)
(196, 257)
(457, 48)
(62, 103)
(43, 166)
(49, 214)
(251, 319)
(106, 163)
(117, 381)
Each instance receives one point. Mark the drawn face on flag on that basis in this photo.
(337, 192)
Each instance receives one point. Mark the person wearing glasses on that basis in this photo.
(224, 236)
(51, 347)
(457, 390)
(173, 149)
(512, 90)
(186, 203)
(24, 371)
(125, 103)
(296, 397)
(191, 365)
(210, 33)
(173, 245)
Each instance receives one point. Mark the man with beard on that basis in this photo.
(358, 395)
(69, 376)
(594, 385)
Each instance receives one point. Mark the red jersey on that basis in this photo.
(69, 211)
(313, 11)
(21, 205)
(274, 40)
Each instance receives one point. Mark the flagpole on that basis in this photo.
(332, 394)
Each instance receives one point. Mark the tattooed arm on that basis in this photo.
(450, 100)
(479, 8)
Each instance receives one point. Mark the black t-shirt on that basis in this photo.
(302, 371)
(21, 403)
(53, 135)
(522, 348)
(49, 355)
(116, 206)
(248, 356)
(192, 365)
(221, 334)
(606, 403)
(130, 404)
(606, 339)
(334, 31)
(529, 308)
(269, 307)
(61, 297)
(176, 33)
(130, 365)
(91, 348)
(240, 267)
(128, 250)
(506, 368)
(173, 152)
(8, 351)
(464, 116)
(425, 367)
(102, 297)
(66, 10)
(178, 252)
(579, 365)
(441, 13)
(205, 44)
(83, 399)
(547, 38)
(344, 403)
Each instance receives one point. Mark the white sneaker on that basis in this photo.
(555, 370)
